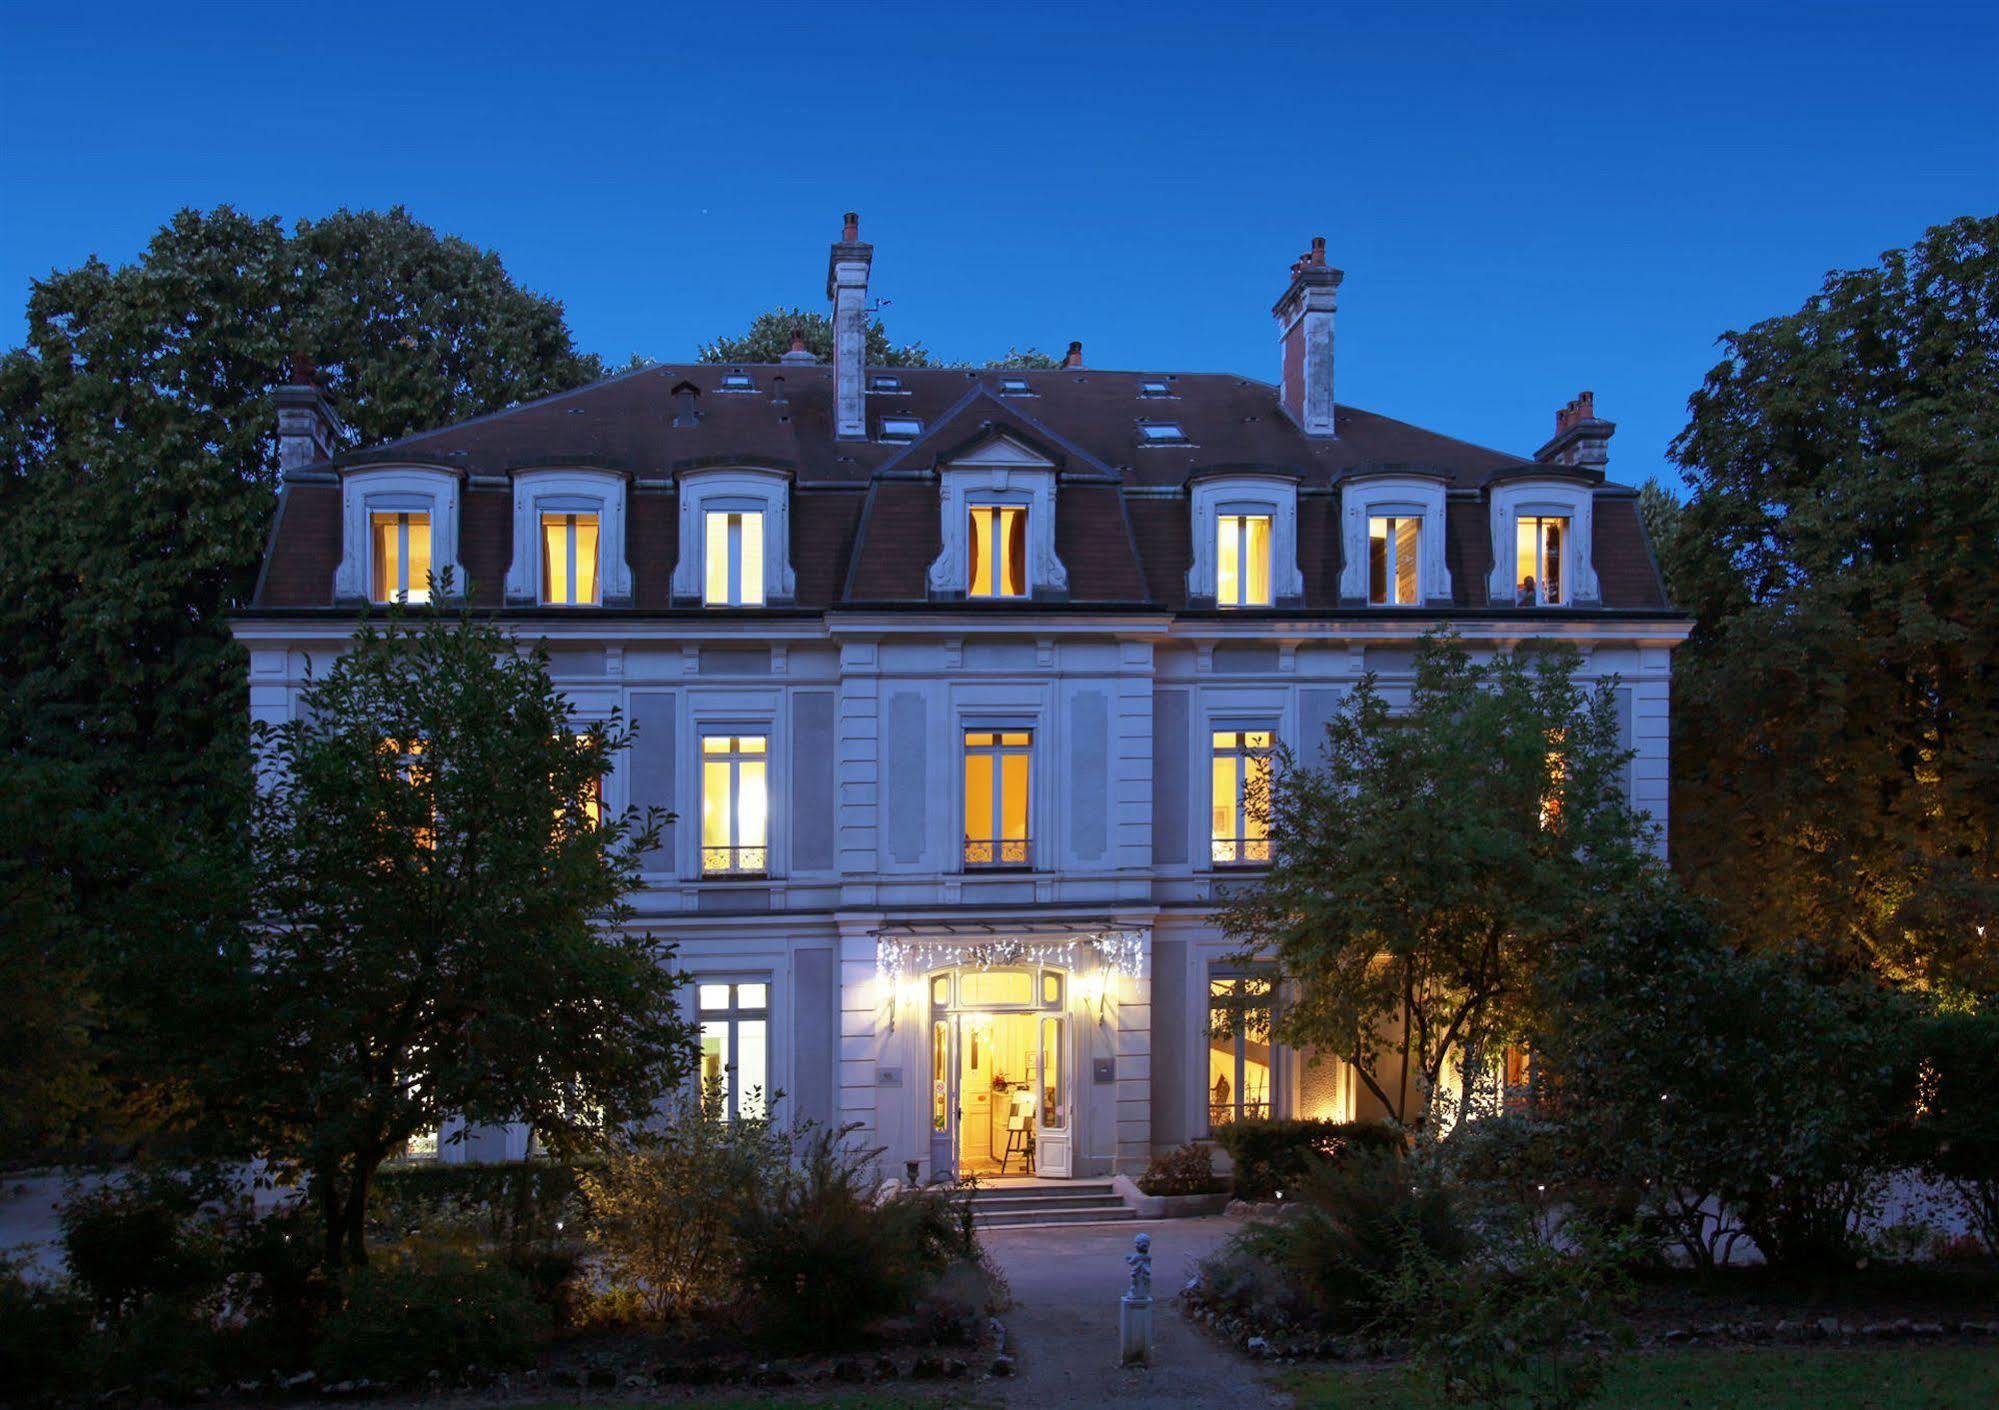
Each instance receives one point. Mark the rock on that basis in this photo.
(1832, 1327)
(295, 1385)
(1926, 1329)
(1257, 1346)
(637, 1382)
(1877, 1329)
(772, 1376)
(1678, 1334)
(1002, 1365)
(954, 1369)
(927, 1368)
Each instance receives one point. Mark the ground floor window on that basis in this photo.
(735, 1046)
(1242, 1069)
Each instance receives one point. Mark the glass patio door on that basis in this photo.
(1054, 1105)
(944, 1097)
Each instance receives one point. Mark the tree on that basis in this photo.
(1421, 875)
(440, 921)
(1838, 701)
(768, 338)
(137, 477)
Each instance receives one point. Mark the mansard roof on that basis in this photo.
(865, 520)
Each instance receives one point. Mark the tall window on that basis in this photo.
(735, 1047)
(1241, 776)
(1392, 547)
(1242, 1070)
(735, 562)
(569, 558)
(996, 768)
(402, 557)
(998, 550)
(735, 802)
(1541, 542)
(1242, 560)
(1558, 775)
(406, 757)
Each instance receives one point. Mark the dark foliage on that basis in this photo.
(1187, 1170)
(443, 1313)
(1275, 1155)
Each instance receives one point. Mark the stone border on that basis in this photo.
(1167, 1206)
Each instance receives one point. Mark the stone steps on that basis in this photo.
(1072, 1202)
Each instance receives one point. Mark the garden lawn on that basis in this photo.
(1905, 1378)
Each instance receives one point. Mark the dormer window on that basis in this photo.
(400, 566)
(735, 558)
(1161, 433)
(1394, 561)
(900, 428)
(998, 550)
(569, 560)
(1540, 545)
(1242, 560)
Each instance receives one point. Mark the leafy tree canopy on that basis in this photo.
(1424, 868)
(440, 921)
(1838, 701)
(768, 338)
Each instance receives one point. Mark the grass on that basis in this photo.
(1905, 1378)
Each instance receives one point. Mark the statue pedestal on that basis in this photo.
(1134, 1324)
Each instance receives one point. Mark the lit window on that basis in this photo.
(1241, 775)
(735, 802)
(1540, 544)
(569, 559)
(1241, 1069)
(593, 795)
(406, 758)
(1558, 773)
(900, 428)
(1392, 554)
(735, 1048)
(1242, 560)
(996, 769)
(735, 563)
(1161, 433)
(402, 557)
(999, 550)
(737, 382)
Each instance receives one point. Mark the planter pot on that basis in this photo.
(1167, 1206)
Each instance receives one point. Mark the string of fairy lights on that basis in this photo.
(1120, 952)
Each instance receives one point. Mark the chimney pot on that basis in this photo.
(1582, 438)
(299, 369)
(852, 229)
(1305, 340)
(1075, 357)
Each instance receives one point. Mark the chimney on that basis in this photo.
(1305, 334)
(1582, 438)
(308, 429)
(847, 287)
(798, 354)
(1075, 357)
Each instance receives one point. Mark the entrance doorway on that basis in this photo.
(1002, 1094)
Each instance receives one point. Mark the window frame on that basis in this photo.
(405, 592)
(733, 757)
(1001, 549)
(1544, 495)
(1241, 519)
(1236, 1106)
(997, 751)
(1392, 559)
(736, 585)
(1243, 754)
(738, 489)
(539, 492)
(730, 1017)
(1563, 553)
(551, 509)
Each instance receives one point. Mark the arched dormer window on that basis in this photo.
(735, 538)
(1392, 541)
(1543, 534)
(1245, 534)
(569, 539)
(997, 503)
(398, 534)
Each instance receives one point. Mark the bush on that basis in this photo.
(1347, 1228)
(1270, 1156)
(43, 1327)
(1956, 1134)
(1190, 1170)
(280, 1286)
(147, 1234)
(405, 1319)
(823, 1260)
(516, 1205)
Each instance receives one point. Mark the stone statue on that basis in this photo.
(1140, 1263)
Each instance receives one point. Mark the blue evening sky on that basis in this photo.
(1527, 201)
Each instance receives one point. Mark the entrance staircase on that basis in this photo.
(1042, 1205)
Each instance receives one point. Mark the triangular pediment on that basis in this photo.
(982, 431)
(997, 450)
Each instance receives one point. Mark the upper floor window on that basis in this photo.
(735, 559)
(998, 550)
(401, 564)
(735, 1047)
(1394, 561)
(996, 797)
(1240, 835)
(1242, 560)
(1541, 544)
(735, 805)
(569, 559)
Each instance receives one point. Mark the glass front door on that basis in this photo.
(1054, 1100)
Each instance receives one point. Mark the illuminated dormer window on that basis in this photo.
(996, 505)
(1245, 528)
(1395, 560)
(1541, 546)
(735, 538)
(1242, 560)
(569, 539)
(1542, 532)
(569, 559)
(1392, 540)
(398, 534)
(734, 550)
(401, 556)
(998, 550)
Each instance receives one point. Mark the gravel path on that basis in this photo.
(1063, 1329)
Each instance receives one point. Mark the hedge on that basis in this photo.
(1269, 1155)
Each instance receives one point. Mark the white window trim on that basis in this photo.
(701, 757)
(734, 489)
(1560, 498)
(1240, 801)
(599, 492)
(1001, 472)
(733, 1016)
(400, 489)
(1394, 497)
(1032, 752)
(1274, 495)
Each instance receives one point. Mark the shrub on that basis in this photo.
(444, 1312)
(1957, 1130)
(823, 1260)
(279, 1284)
(1190, 1170)
(1348, 1227)
(516, 1205)
(1270, 1156)
(43, 1327)
(147, 1234)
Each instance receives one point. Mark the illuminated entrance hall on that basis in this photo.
(1000, 1085)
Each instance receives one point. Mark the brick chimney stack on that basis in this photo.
(308, 429)
(1582, 438)
(1305, 336)
(1075, 356)
(798, 354)
(847, 287)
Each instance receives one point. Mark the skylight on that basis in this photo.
(900, 428)
(1154, 389)
(737, 382)
(886, 384)
(1162, 433)
(1014, 387)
